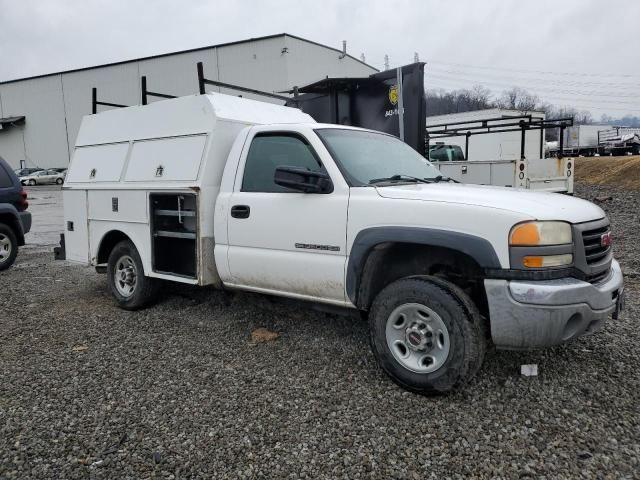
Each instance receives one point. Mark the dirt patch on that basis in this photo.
(263, 335)
(615, 171)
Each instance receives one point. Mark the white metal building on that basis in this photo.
(40, 116)
(495, 146)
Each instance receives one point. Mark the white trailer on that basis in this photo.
(497, 151)
(583, 140)
(497, 146)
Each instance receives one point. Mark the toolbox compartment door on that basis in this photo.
(166, 159)
(97, 163)
(76, 233)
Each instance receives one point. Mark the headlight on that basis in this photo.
(535, 245)
(534, 234)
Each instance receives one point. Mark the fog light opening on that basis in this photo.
(572, 327)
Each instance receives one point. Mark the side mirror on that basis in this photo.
(302, 180)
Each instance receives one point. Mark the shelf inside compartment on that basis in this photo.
(175, 213)
(162, 233)
(174, 225)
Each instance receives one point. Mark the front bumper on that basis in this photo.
(530, 314)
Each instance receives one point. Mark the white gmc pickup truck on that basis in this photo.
(239, 194)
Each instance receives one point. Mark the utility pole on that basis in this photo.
(386, 61)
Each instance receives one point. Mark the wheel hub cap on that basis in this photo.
(125, 276)
(418, 338)
(5, 247)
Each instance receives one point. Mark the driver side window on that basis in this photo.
(271, 150)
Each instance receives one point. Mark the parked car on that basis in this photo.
(237, 194)
(15, 221)
(23, 172)
(43, 177)
(446, 153)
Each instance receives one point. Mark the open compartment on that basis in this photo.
(174, 228)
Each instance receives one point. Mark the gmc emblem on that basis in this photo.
(605, 239)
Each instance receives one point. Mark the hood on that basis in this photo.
(537, 205)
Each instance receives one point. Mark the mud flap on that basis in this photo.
(60, 252)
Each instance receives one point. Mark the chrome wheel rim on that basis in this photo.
(125, 276)
(5, 248)
(417, 338)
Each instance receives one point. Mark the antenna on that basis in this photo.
(386, 61)
(344, 49)
(416, 57)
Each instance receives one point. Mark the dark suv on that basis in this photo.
(15, 221)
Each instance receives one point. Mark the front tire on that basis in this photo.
(426, 334)
(31, 183)
(59, 181)
(130, 288)
(8, 246)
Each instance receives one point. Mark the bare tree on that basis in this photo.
(518, 99)
(440, 102)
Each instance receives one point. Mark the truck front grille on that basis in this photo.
(594, 251)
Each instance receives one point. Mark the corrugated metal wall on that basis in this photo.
(55, 104)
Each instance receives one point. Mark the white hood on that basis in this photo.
(537, 205)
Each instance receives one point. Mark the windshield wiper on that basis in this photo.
(397, 178)
(441, 178)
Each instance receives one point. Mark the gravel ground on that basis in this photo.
(180, 390)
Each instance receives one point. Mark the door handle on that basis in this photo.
(240, 211)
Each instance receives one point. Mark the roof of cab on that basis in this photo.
(190, 115)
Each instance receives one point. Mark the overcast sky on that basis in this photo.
(584, 53)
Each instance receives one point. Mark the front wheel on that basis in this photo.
(426, 334)
(130, 288)
(31, 182)
(59, 181)
(8, 247)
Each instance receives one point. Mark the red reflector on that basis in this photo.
(23, 200)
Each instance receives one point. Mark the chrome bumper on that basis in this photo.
(528, 314)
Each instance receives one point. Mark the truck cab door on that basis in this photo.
(281, 240)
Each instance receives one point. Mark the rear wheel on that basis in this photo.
(8, 246)
(130, 288)
(426, 334)
(59, 181)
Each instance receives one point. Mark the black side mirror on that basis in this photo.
(302, 180)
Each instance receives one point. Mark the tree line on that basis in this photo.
(440, 102)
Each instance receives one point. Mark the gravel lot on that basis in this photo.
(180, 390)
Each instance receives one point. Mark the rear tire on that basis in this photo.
(8, 246)
(426, 334)
(59, 181)
(130, 288)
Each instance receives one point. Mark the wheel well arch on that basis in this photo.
(381, 255)
(12, 222)
(110, 240)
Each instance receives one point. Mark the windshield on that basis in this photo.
(366, 156)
